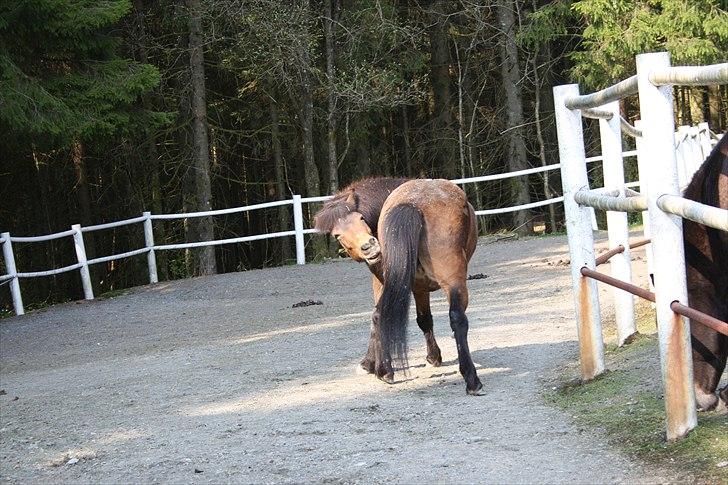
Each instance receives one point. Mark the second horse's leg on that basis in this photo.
(382, 359)
(424, 321)
(369, 361)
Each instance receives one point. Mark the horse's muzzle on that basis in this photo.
(373, 254)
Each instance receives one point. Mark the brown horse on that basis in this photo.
(706, 253)
(416, 236)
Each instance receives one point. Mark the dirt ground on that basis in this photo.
(219, 379)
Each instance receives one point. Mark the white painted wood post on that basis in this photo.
(682, 155)
(13, 272)
(149, 243)
(704, 137)
(298, 227)
(696, 152)
(88, 291)
(617, 224)
(643, 166)
(658, 127)
(579, 232)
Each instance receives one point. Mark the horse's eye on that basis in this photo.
(362, 219)
(336, 236)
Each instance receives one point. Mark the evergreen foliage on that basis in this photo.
(97, 103)
(62, 75)
(615, 31)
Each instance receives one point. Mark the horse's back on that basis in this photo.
(447, 215)
(449, 234)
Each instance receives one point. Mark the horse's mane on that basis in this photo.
(364, 196)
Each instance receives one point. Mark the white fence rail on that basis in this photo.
(686, 136)
(666, 160)
(147, 218)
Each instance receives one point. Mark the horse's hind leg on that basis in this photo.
(424, 321)
(458, 297)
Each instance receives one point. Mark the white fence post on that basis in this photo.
(682, 155)
(298, 227)
(149, 243)
(13, 272)
(658, 128)
(88, 291)
(643, 167)
(696, 152)
(617, 224)
(579, 232)
(704, 137)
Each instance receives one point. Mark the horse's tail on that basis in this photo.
(400, 235)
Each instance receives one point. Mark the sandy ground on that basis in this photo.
(219, 379)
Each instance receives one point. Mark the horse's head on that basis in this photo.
(339, 216)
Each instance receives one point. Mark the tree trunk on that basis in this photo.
(363, 160)
(705, 103)
(150, 149)
(313, 187)
(83, 196)
(444, 138)
(203, 226)
(284, 217)
(539, 137)
(461, 138)
(514, 106)
(332, 114)
(407, 153)
(43, 224)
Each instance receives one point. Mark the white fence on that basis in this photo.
(13, 276)
(666, 160)
(695, 137)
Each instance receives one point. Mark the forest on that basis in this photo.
(111, 108)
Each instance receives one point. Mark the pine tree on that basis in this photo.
(61, 77)
(692, 31)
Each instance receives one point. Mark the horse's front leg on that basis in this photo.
(368, 363)
(382, 359)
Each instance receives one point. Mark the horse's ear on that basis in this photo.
(352, 199)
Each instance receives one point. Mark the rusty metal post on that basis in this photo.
(658, 128)
(579, 232)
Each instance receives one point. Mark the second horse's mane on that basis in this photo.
(364, 196)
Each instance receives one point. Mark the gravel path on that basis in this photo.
(219, 379)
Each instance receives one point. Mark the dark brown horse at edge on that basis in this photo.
(706, 254)
(416, 236)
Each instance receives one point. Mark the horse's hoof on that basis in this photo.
(721, 407)
(475, 391)
(367, 366)
(434, 361)
(706, 401)
(388, 378)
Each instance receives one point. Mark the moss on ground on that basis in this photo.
(626, 403)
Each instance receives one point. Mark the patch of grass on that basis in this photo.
(626, 403)
(114, 293)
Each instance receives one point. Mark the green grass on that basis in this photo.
(114, 293)
(626, 404)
